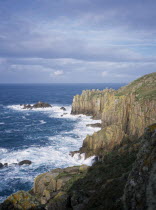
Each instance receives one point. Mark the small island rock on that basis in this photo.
(63, 108)
(37, 105)
(1, 165)
(23, 162)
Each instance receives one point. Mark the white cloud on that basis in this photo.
(57, 73)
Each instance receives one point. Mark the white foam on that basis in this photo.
(80, 158)
(21, 108)
(40, 156)
(3, 150)
(2, 123)
(59, 146)
(42, 122)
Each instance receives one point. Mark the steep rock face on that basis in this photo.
(91, 102)
(140, 189)
(131, 109)
(103, 141)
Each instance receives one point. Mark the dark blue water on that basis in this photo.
(42, 136)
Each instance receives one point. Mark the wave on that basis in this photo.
(42, 122)
(55, 152)
(3, 150)
(80, 158)
(2, 123)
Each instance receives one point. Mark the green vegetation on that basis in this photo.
(143, 88)
(104, 182)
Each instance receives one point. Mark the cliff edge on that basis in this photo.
(123, 178)
(125, 113)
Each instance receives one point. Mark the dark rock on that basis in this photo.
(41, 105)
(5, 164)
(1, 165)
(73, 153)
(27, 162)
(27, 106)
(99, 125)
(63, 114)
(63, 108)
(37, 105)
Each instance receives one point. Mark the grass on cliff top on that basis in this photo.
(144, 87)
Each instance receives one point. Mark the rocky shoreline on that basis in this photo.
(124, 175)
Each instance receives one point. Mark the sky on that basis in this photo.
(76, 41)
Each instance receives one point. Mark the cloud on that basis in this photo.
(57, 73)
(90, 41)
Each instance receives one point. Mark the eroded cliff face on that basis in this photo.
(125, 112)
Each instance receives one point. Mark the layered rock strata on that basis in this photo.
(124, 113)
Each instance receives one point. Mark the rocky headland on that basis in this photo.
(124, 177)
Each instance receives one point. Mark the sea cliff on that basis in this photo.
(125, 113)
(124, 175)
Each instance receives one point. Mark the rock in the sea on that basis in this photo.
(41, 105)
(27, 106)
(5, 164)
(63, 108)
(1, 165)
(24, 162)
(37, 105)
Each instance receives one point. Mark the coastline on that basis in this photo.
(123, 176)
(31, 153)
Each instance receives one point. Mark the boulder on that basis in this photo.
(20, 200)
(63, 108)
(1, 165)
(5, 164)
(23, 162)
(48, 185)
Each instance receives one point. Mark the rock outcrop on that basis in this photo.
(24, 162)
(50, 191)
(63, 108)
(37, 105)
(125, 112)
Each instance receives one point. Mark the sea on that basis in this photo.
(44, 136)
